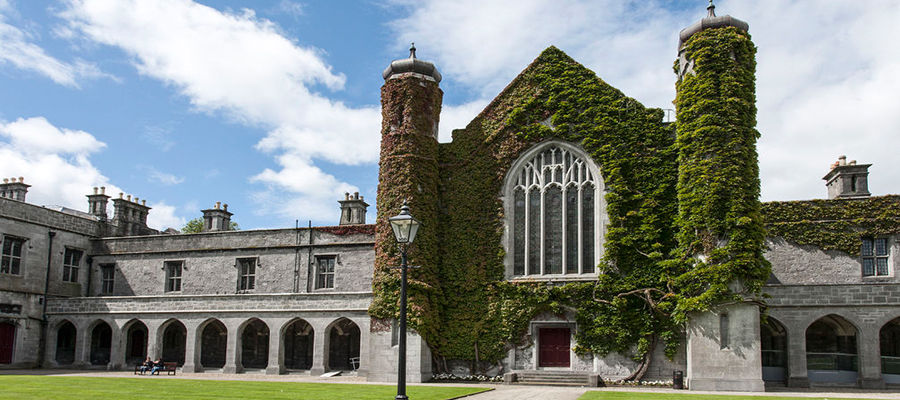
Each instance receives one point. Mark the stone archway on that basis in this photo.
(773, 343)
(889, 341)
(213, 344)
(298, 345)
(343, 345)
(831, 350)
(101, 344)
(174, 341)
(135, 343)
(255, 345)
(65, 343)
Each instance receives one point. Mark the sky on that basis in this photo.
(273, 107)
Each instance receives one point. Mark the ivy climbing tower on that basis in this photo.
(721, 234)
(408, 172)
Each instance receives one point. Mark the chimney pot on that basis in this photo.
(21, 180)
(225, 207)
(356, 195)
(137, 200)
(218, 204)
(144, 202)
(102, 189)
(852, 162)
(129, 197)
(346, 195)
(121, 194)
(5, 180)
(95, 190)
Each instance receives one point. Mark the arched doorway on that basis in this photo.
(831, 355)
(298, 345)
(174, 341)
(773, 342)
(65, 343)
(7, 342)
(889, 338)
(343, 345)
(255, 345)
(213, 344)
(136, 343)
(101, 343)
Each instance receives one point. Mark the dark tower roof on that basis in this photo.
(412, 65)
(711, 21)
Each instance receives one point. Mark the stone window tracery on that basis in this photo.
(553, 215)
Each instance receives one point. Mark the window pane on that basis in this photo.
(868, 267)
(553, 230)
(519, 232)
(881, 247)
(867, 248)
(587, 233)
(882, 265)
(572, 230)
(534, 231)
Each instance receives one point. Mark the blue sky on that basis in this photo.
(273, 106)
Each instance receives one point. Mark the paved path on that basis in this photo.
(500, 392)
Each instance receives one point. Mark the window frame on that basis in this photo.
(874, 256)
(11, 264)
(250, 277)
(107, 284)
(514, 190)
(70, 271)
(322, 281)
(173, 283)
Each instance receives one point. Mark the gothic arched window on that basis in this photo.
(553, 215)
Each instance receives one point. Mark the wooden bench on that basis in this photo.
(168, 367)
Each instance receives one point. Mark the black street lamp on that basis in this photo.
(405, 228)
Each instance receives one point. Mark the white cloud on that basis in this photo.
(163, 216)
(292, 8)
(164, 178)
(241, 67)
(56, 162)
(17, 49)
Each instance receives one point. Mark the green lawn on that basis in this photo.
(601, 395)
(25, 387)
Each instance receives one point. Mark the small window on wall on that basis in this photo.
(325, 272)
(11, 257)
(107, 279)
(875, 256)
(71, 264)
(173, 275)
(247, 270)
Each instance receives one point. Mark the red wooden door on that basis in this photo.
(554, 347)
(7, 341)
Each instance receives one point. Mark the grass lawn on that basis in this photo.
(600, 395)
(25, 387)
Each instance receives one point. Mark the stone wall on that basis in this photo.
(794, 264)
(24, 212)
(723, 350)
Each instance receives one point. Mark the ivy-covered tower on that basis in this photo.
(721, 235)
(408, 172)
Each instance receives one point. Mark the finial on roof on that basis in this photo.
(711, 9)
(412, 50)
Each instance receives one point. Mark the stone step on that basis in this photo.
(554, 378)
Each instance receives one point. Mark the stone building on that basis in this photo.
(85, 290)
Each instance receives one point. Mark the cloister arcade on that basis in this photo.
(221, 344)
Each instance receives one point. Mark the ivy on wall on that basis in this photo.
(648, 276)
(837, 224)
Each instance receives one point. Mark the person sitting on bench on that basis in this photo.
(157, 366)
(146, 365)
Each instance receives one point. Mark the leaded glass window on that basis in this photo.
(553, 214)
(875, 257)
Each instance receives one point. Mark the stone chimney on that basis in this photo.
(847, 179)
(14, 190)
(217, 218)
(130, 217)
(353, 209)
(97, 203)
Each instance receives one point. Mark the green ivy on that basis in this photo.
(837, 224)
(648, 278)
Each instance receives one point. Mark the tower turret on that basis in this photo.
(353, 209)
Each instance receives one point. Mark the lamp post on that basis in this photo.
(405, 228)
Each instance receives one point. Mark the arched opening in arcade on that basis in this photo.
(7, 342)
(65, 343)
(174, 342)
(255, 345)
(135, 343)
(773, 343)
(889, 340)
(831, 351)
(343, 345)
(101, 343)
(298, 345)
(213, 344)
